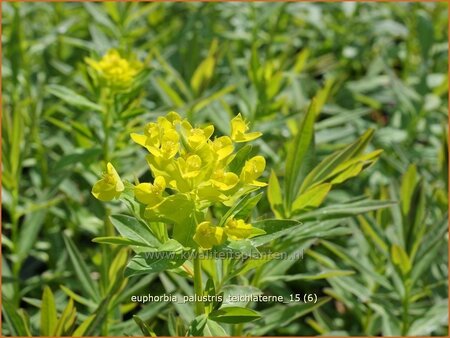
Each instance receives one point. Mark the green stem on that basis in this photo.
(198, 288)
(405, 315)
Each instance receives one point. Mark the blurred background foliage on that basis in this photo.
(381, 66)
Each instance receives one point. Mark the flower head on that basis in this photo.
(110, 186)
(117, 71)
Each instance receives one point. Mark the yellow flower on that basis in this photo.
(117, 71)
(160, 142)
(208, 236)
(253, 169)
(237, 229)
(150, 194)
(110, 186)
(239, 128)
(196, 138)
(223, 147)
(191, 166)
(224, 180)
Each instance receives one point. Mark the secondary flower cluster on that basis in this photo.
(191, 172)
(117, 72)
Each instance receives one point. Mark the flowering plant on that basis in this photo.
(191, 173)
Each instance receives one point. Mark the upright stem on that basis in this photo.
(405, 315)
(198, 288)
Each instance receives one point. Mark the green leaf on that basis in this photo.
(366, 268)
(80, 331)
(274, 229)
(145, 328)
(333, 161)
(48, 313)
(409, 181)
(205, 70)
(170, 95)
(274, 195)
(231, 291)
(414, 225)
(153, 262)
(85, 156)
(119, 241)
(346, 209)
(72, 98)
(372, 230)
(29, 231)
(213, 329)
(98, 317)
(425, 30)
(400, 258)
(81, 270)
(311, 198)
(134, 230)
(66, 321)
(281, 315)
(299, 151)
(309, 276)
(242, 208)
(239, 159)
(206, 101)
(197, 326)
(434, 318)
(323, 94)
(13, 320)
(352, 167)
(234, 315)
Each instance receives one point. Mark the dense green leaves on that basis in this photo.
(233, 315)
(352, 101)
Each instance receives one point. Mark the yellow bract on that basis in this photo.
(110, 186)
(238, 229)
(253, 169)
(239, 128)
(150, 194)
(117, 71)
(208, 236)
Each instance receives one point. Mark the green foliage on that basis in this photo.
(352, 101)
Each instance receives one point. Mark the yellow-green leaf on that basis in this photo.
(48, 313)
(205, 71)
(274, 194)
(400, 258)
(312, 198)
(66, 320)
(408, 184)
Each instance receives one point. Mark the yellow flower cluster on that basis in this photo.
(192, 168)
(118, 72)
(188, 161)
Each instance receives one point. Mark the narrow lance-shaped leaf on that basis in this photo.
(331, 162)
(274, 195)
(48, 313)
(299, 153)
